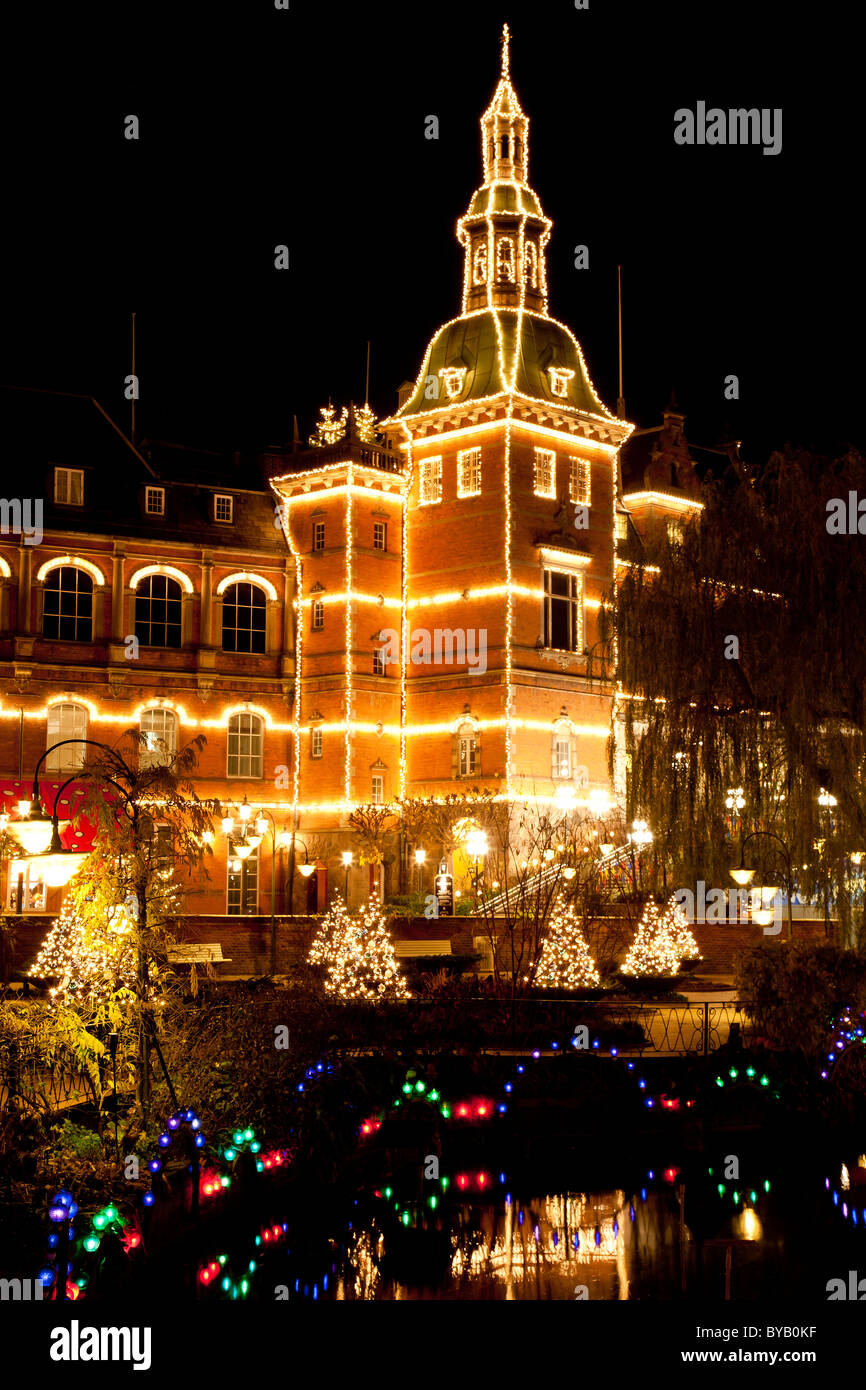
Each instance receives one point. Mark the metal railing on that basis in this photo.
(529, 887)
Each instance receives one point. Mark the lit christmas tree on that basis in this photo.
(333, 926)
(675, 918)
(90, 952)
(331, 428)
(359, 954)
(565, 959)
(654, 950)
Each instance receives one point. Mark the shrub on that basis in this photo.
(793, 992)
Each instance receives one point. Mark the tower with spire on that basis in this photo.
(509, 525)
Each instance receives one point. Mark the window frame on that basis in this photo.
(430, 481)
(241, 746)
(318, 537)
(224, 497)
(78, 592)
(317, 615)
(68, 474)
(66, 759)
(241, 891)
(468, 752)
(380, 533)
(316, 742)
(159, 493)
(251, 608)
(579, 481)
(575, 609)
(147, 596)
(469, 466)
(152, 757)
(377, 792)
(544, 458)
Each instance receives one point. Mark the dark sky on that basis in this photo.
(306, 127)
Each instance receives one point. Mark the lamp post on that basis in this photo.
(347, 864)
(826, 800)
(254, 826)
(743, 876)
(420, 860)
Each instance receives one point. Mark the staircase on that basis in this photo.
(530, 887)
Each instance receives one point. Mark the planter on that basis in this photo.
(688, 967)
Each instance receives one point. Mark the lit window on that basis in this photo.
(559, 379)
(245, 618)
(431, 480)
(452, 378)
(380, 535)
(246, 746)
(67, 611)
(66, 721)
(530, 265)
(316, 743)
(319, 535)
(469, 473)
(25, 877)
(378, 662)
(318, 612)
(158, 611)
(69, 486)
(561, 755)
(545, 473)
(579, 482)
(378, 797)
(675, 532)
(621, 526)
(505, 259)
(563, 610)
(158, 743)
(223, 507)
(467, 755)
(154, 501)
(242, 888)
(479, 264)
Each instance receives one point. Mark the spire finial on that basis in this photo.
(506, 41)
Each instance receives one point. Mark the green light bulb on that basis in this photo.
(100, 1220)
(389, 1193)
(229, 1155)
(733, 1073)
(251, 1266)
(766, 1184)
(434, 1201)
(249, 1134)
(419, 1086)
(405, 1218)
(432, 1095)
(91, 1244)
(753, 1197)
(721, 1189)
(226, 1284)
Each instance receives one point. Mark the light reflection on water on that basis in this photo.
(565, 1246)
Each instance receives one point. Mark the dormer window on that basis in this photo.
(223, 507)
(452, 379)
(559, 379)
(154, 501)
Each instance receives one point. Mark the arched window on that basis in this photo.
(479, 264)
(503, 145)
(505, 259)
(530, 265)
(246, 746)
(466, 751)
(66, 720)
(158, 611)
(245, 615)
(563, 751)
(158, 729)
(67, 612)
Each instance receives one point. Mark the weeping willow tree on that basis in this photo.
(742, 663)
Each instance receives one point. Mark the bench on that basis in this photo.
(423, 948)
(197, 953)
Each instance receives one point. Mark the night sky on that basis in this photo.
(306, 127)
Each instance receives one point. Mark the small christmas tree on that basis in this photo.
(91, 954)
(675, 918)
(359, 955)
(565, 959)
(654, 950)
(333, 926)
